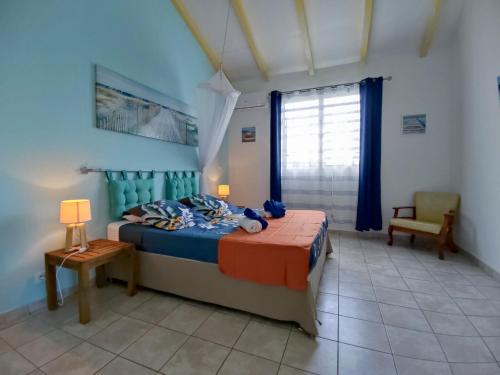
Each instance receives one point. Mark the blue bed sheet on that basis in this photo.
(195, 243)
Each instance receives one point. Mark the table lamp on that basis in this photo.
(223, 191)
(75, 213)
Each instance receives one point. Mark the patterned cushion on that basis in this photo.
(138, 212)
(165, 216)
(210, 206)
(417, 225)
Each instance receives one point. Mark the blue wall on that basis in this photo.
(47, 128)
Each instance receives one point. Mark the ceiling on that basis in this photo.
(335, 31)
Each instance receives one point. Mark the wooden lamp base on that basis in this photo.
(70, 229)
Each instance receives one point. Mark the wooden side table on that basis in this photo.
(100, 253)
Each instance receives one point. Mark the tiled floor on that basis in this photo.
(384, 310)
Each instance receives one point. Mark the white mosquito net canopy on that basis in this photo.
(215, 101)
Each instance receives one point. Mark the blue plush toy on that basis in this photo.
(277, 209)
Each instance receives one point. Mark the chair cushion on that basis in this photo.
(431, 206)
(421, 226)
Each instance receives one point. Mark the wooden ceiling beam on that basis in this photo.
(247, 31)
(193, 27)
(367, 27)
(430, 30)
(306, 38)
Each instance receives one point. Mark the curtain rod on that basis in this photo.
(388, 78)
(86, 170)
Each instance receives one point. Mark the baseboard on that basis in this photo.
(12, 317)
(484, 266)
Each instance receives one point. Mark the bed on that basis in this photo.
(185, 263)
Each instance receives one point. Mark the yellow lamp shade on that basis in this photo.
(223, 190)
(75, 211)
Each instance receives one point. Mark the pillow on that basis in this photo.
(167, 217)
(209, 206)
(138, 214)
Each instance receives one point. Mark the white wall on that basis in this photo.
(477, 172)
(409, 163)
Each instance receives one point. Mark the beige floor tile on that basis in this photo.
(475, 368)
(48, 347)
(494, 346)
(328, 303)
(155, 348)
(410, 366)
(362, 333)
(119, 335)
(61, 314)
(124, 304)
(263, 340)
(222, 328)
(450, 324)
(359, 309)
(11, 363)
(486, 325)
(187, 318)
(287, 370)
(101, 296)
(328, 329)
(155, 309)
(415, 344)
(315, 355)
(395, 297)
(239, 363)
(83, 360)
(359, 361)
(25, 332)
(440, 304)
(4, 347)
(100, 320)
(197, 357)
(465, 349)
(121, 366)
(404, 317)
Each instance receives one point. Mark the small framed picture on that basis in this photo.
(414, 124)
(248, 134)
(498, 85)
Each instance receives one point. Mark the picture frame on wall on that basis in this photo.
(248, 134)
(414, 124)
(126, 106)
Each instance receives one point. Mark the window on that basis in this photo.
(320, 133)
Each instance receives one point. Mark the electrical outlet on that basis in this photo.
(39, 277)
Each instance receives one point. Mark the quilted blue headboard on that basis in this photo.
(181, 184)
(125, 194)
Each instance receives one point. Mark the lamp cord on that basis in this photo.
(60, 301)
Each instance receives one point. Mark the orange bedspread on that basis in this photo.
(278, 255)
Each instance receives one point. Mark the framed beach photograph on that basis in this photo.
(414, 124)
(127, 106)
(248, 134)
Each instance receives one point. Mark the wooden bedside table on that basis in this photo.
(100, 253)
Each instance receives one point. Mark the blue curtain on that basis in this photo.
(276, 145)
(369, 211)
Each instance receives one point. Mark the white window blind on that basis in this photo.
(320, 152)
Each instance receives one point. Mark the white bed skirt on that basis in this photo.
(203, 281)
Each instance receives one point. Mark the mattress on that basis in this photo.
(189, 243)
